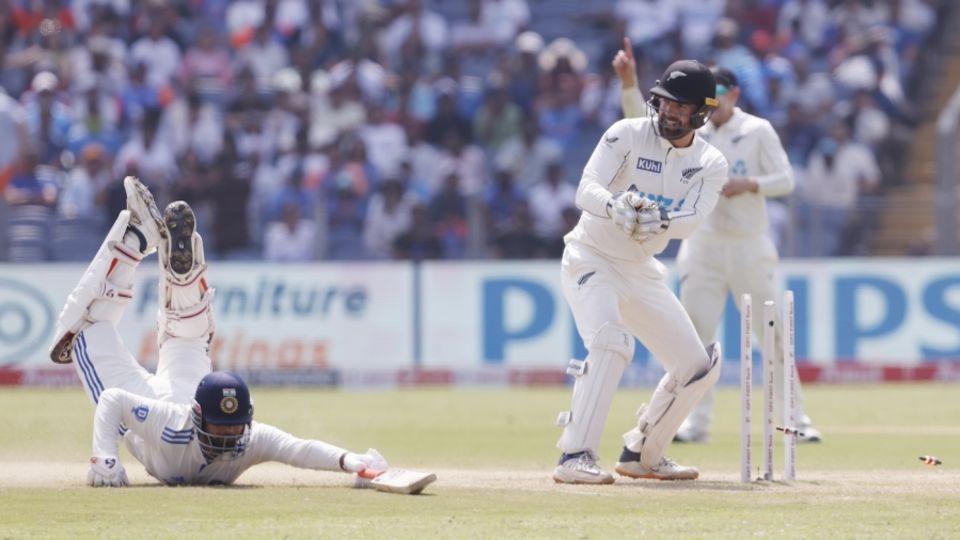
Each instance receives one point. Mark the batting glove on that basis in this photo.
(370, 460)
(358, 462)
(106, 471)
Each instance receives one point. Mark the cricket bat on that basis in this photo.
(398, 480)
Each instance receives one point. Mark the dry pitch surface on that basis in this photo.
(493, 452)
(829, 484)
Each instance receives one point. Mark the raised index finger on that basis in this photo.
(627, 48)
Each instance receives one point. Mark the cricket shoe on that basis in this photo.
(580, 468)
(688, 434)
(809, 434)
(145, 219)
(183, 251)
(184, 294)
(667, 469)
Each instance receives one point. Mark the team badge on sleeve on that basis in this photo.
(140, 412)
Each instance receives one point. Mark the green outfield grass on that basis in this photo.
(493, 450)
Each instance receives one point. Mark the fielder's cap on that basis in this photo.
(724, 77)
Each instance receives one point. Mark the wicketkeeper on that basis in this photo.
(732, 251)
(648, 181)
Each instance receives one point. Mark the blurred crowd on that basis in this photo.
(412, 129)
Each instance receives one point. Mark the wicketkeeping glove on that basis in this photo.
(106, 471)
(622, 209)
(650, 221)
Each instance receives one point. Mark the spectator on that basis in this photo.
(153, 156)
(448, 118)
(158, 53)
(498, 118)
(650, 25)
(138, 96)
(519, 240)
(523, 71)
(549, 199)
(96, 117)
(560, 116)
(390, 215)
(841, 174)
(466, 161)
(291, 239)
(527, 154)
(13, 123)
(420, 242)
(387, 142)
(30, 185)
(809, 19)
(698, 19)
(264, 56)
(191, 125)
(206, 66)
(80, 196)
(448, 212)
(230, 193)
(346, 214)
(502, 199)
(418, 25)
(48, 117)
(738, 58)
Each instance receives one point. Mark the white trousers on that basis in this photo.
(102, 361)
(714, 265)
(635, 296)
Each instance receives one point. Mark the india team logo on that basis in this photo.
(229, 402)
(140, 412)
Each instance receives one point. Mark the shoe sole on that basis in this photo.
(560, 480)
(180, 222)
(147, 199)
(582, 483)
(652, 476)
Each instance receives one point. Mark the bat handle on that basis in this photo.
(369, 474)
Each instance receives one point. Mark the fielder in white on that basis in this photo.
(186, 424)
(732, 251)
(649, 180)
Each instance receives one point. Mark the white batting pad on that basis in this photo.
(186, 311)
(669, 406)
(102, 293)
(596, 382)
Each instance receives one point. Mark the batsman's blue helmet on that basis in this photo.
(224, 399)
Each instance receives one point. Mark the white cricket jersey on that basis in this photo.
(160, 435)
(632, 157)
(752, 149)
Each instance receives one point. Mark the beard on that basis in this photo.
(670, 129)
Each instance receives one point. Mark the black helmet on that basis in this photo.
(690, 82)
